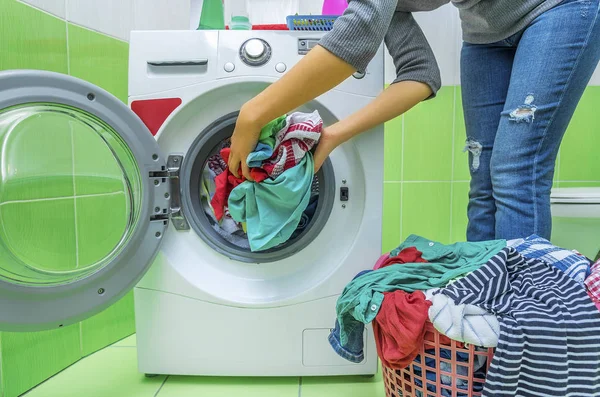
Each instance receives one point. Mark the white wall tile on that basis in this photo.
(390, 68)
(195, 11)
(440, 27)
(54, 7)
(161, 14)
(272, 11)
(596, 77)
(310, 7)
(111, 17)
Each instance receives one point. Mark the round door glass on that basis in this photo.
(70, 194)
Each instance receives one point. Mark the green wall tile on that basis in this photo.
(428, 139)
(392, 205)
(41, 233)
(39, 153)
(96, 168)
(461, 159)
(426, 210)
(393, 150)
(579, 150)
(30, 358)
(109, 326)
(31, 39)
(99, 59)
(460, 200)
(101, 224)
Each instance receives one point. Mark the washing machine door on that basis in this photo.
(84, 200)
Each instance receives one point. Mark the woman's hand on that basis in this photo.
(243, 142)
(327, 143)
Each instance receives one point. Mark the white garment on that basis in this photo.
(463, 323)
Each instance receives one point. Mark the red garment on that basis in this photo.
(399, 327)
(226, 182)
(407, 255)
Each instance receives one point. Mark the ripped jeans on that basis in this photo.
(519, 95)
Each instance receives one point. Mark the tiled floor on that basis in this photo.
(113, 372)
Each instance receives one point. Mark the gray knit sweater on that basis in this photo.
(357, 34)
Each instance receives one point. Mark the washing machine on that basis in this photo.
(98, 198)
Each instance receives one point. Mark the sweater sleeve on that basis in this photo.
(357, 35)
(413, 58)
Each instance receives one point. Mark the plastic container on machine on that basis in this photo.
(237, 10)
(212, 16)
(334, 7)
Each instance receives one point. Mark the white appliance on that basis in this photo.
(205, 306)
(576, 219)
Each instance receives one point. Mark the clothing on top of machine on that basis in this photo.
(592, 284)
(292, 143)
(399, 327)
(571, 263)
(459, 253)
(466, 323)
(272, 209)
(548, 344)
(361, 299)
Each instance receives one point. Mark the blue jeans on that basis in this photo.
(519, 95)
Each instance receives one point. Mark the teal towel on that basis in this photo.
(273, 208)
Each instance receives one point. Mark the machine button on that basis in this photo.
(373, 308)
(229, 67)
(431, 244)
(254, 48)
(280, 67)
(344, 194)
(255, 52)
(358, 75)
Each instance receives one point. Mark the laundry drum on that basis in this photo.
(225, 268)
(69, 194)
(203, 161)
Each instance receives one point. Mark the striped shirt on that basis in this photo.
(549, 328)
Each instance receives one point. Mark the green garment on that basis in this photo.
(269, 131)
(460, 252)
(361, 299)
(273, 208)
(266, 142)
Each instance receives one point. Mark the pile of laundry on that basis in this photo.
(527, 298)
(281, 201)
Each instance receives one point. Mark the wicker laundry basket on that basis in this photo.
(425, 378)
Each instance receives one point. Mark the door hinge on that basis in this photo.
(174, 212)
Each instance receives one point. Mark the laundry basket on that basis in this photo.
(443, 368)
(310, 22)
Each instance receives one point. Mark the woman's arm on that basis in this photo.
(418, 78)
(394, 101)
(350, 46)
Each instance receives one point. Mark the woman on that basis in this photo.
(524, 67)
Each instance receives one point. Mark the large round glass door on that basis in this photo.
(80, 182)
